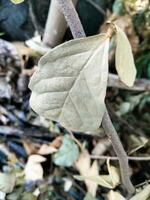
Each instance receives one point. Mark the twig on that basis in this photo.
(139, 85)
(134, 158)
(55, 25)
(122, 156)
(72, 18)
(77, 31)
(35, 23)
(95, 5)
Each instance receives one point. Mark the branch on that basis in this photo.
(139, 85)
(77, 31)
(72, 18)
(133, 158)
(55, 25)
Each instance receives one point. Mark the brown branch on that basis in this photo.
(77, 31)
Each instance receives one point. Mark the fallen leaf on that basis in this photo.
(143, 195)
(109, 181)
(67, 153)
(7, 182)
(70, 85)
(83, 165)
(114, 174)
(33, 169)
(102, 180)
(46, 149)
(112, 195)
(30, 147)
(89, 197)
(17, 1)
(124, 59)
(56, 143)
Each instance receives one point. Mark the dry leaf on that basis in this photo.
(56, 143)
(102, 180)
(114, 174)
(17, 1)
(115, 196)
(143, 195)
(7, 182)
(70, 85)
(109, 181)
(30, 147)
(46, 149)
(83, 165)
(124, 59)
(33, 169)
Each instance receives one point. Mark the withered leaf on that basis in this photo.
(112, 195)
(70, 85)
(143, 194)
(124, 59)
(17, 1)
(7, 182)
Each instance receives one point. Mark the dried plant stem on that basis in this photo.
(55, 25)
(122, 156)
(72, 18)
(134, 158)
(77, 31)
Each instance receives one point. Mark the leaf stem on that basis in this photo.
(77, 32)
(72, 18)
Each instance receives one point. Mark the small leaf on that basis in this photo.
(70, 85)
(124, 59)
(83, 165)
(102, 180)
(46, 149)
(67, 154)
(109, 181)
(114, 174)
(33, 169)
(89, 197)
(7, 182)
(17, 1)
(115, 196)
(143, 195)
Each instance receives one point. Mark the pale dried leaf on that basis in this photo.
(89, 197)
(70, 85)
(7, 182)
(143, 195)
(112, 195)
(83, 164)
(46, 149)
(17, 1)
(109, 181)
(114, 174)
(124, 59)
(33, 169)
(102, 180)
